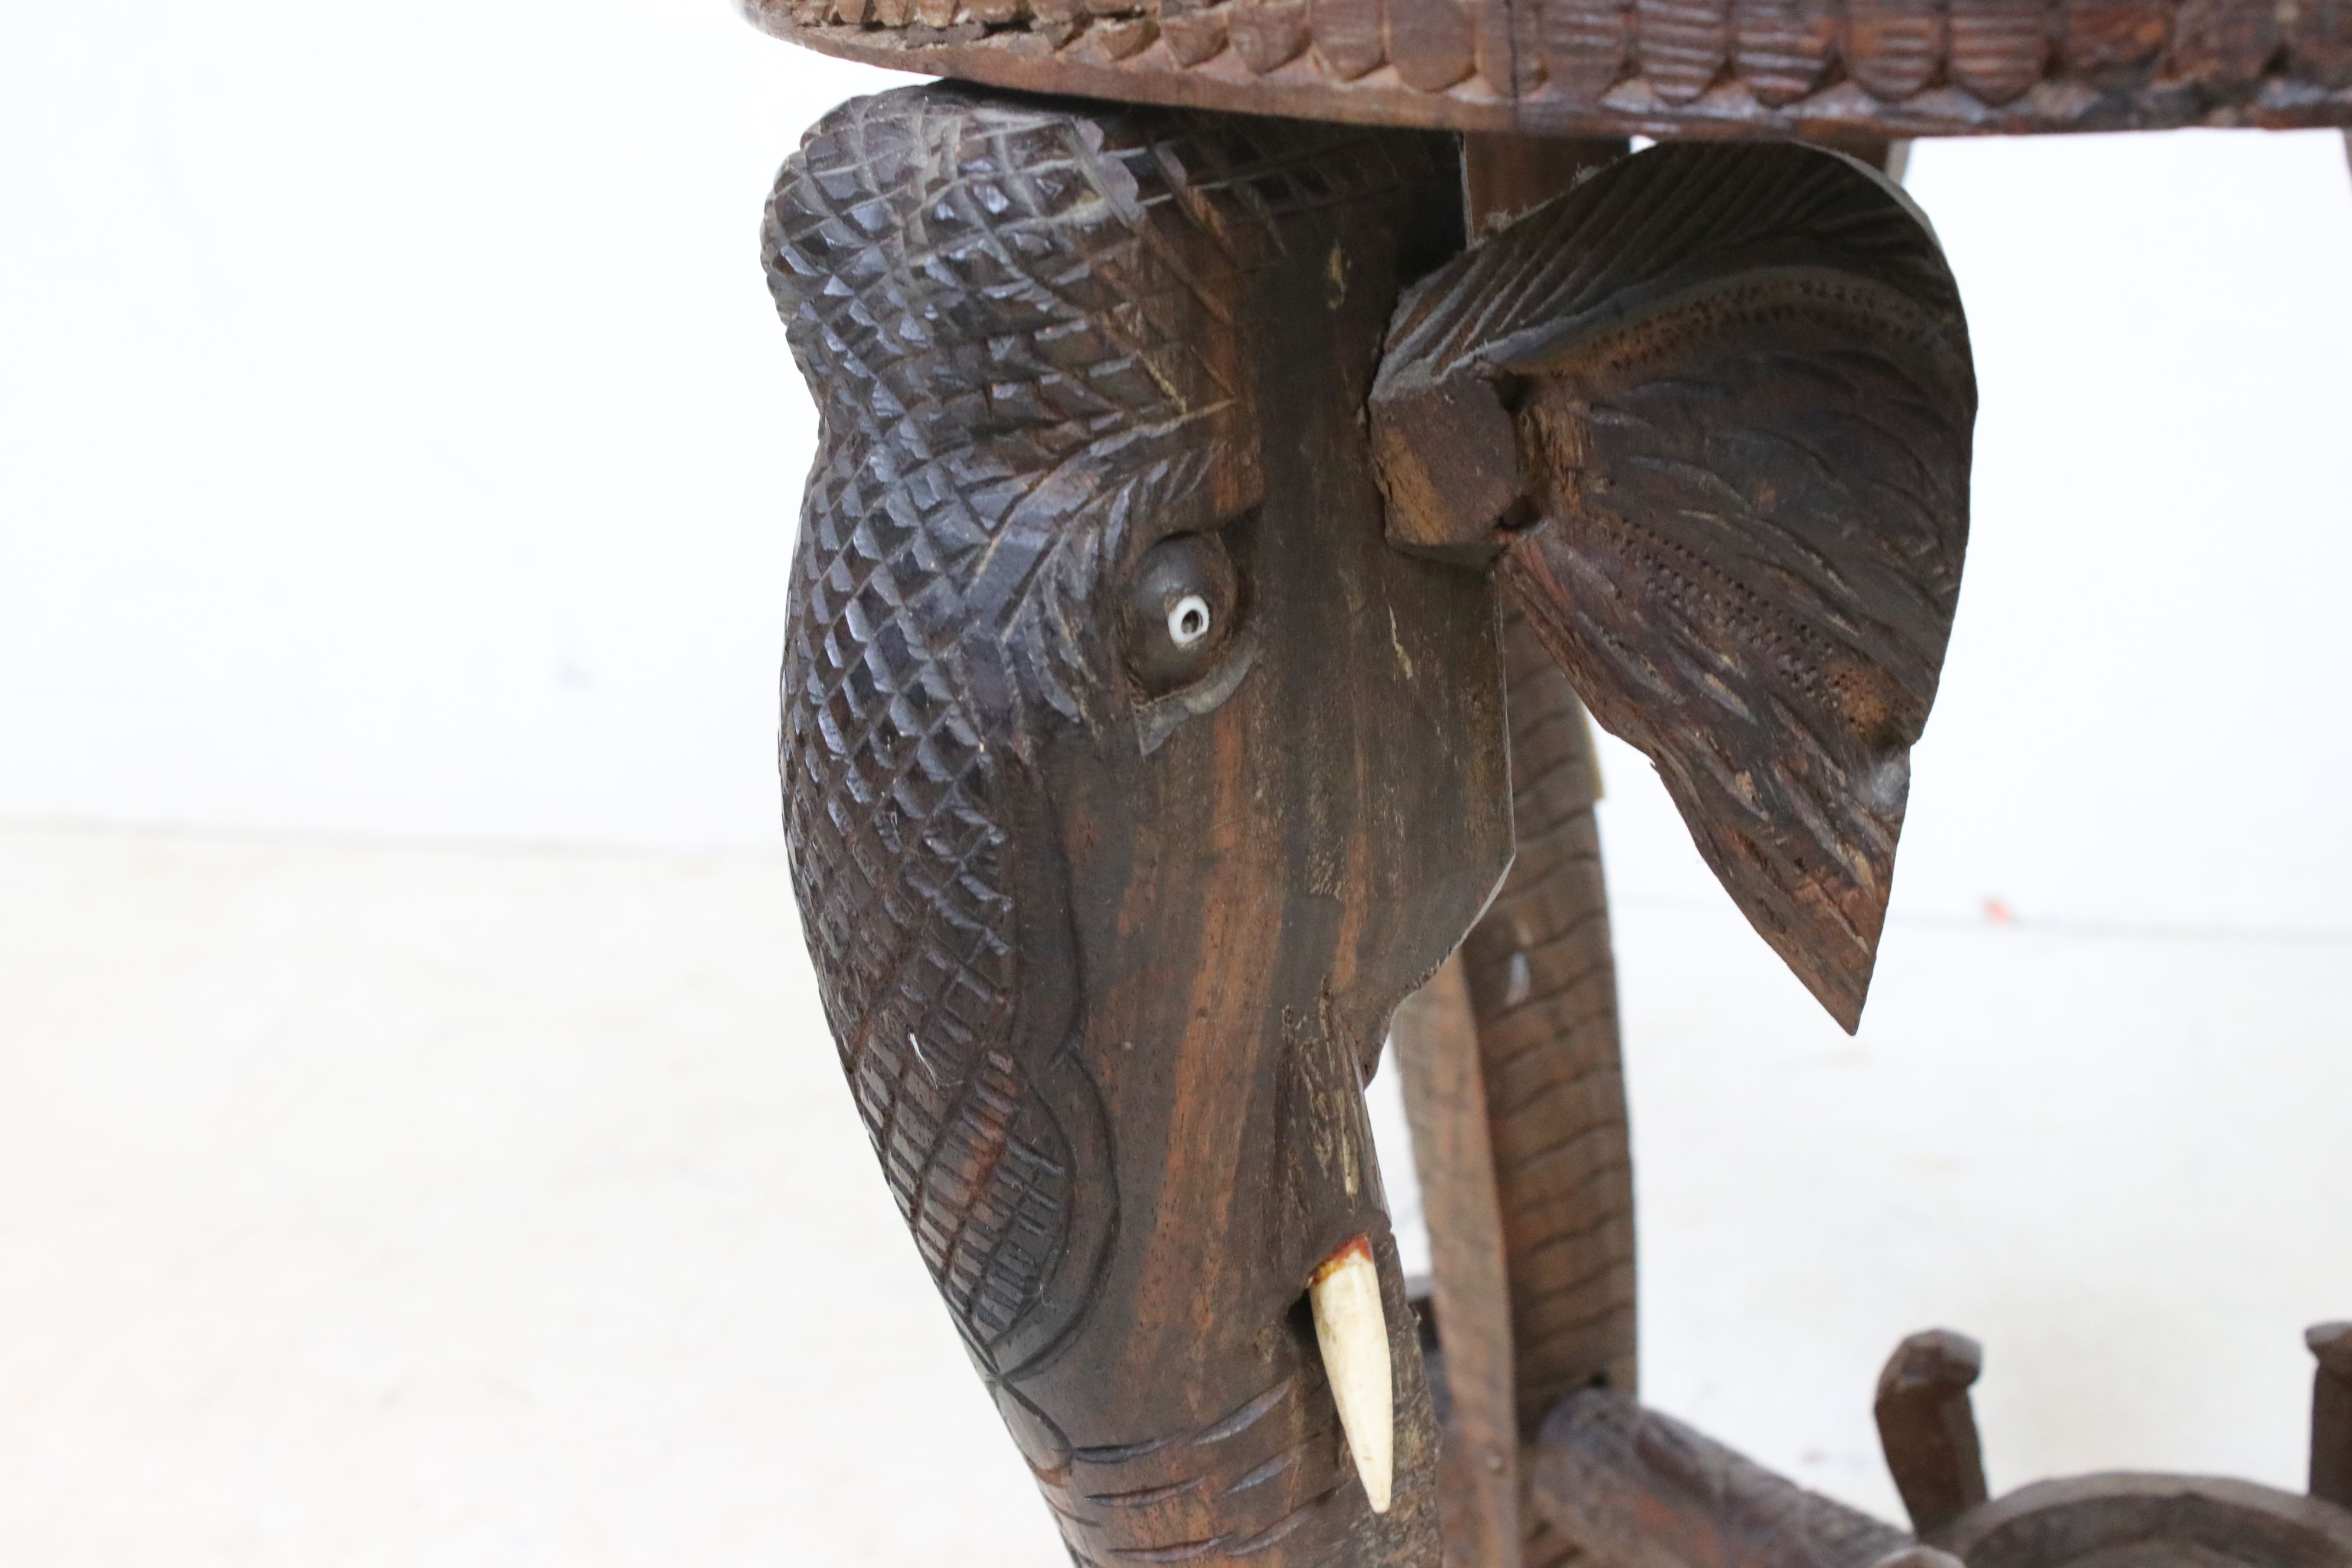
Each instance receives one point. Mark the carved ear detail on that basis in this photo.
(1712, 411)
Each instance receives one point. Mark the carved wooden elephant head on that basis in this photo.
(1140, 754)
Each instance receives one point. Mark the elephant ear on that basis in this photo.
(1710, 411)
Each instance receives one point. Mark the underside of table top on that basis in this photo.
(1657, 68)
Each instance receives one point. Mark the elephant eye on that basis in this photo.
(1190, 621)
(1181, 606)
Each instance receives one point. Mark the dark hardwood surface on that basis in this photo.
(1636, 1489)
(2128, 1521)
(1928, 1426)
(2331, 1411)
(1109, 925)
(1711, 411)
(1516, 1096)
(2112, 1520)
(1435, 1037)
(1542, 980)
(1202, 576)
(1512, 1077)
(1888, 69)
(1639, 1489)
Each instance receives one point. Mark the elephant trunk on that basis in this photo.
(1132, 780)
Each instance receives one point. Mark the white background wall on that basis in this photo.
(396, 442)
(400, 441)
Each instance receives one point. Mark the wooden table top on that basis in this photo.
(1658, 67)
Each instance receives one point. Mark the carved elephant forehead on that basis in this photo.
(1015, 321)
(1017, 324)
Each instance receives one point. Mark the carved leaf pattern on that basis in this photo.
(1743, 401)
(1880, 68)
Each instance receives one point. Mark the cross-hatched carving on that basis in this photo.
(1003, 308)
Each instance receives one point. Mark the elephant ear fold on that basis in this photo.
(1710, 414)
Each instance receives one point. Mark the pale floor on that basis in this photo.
(368, 1206)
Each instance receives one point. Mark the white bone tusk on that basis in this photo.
(1353, 1333)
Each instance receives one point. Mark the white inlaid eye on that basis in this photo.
(1184, 605)
(1188, 620)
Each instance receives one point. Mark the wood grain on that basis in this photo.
(1543, 984)
(1518, 1226)
(1504, 177)
(1684, 45)
(1785, 46)
(1712, 410)
(1894, 48)
(2319, 41)
(2331, 1413)
(1516, 1094)
(1642, 1491)
(1928, 1427)
(2223, 46)
(1108, 928)
(1999, 49)
(2097, 1520)
(1890, 69)
(2115, 46)
(1435, 1037)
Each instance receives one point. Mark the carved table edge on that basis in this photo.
(1304, 87)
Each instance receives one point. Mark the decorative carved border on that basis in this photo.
(1678, 68)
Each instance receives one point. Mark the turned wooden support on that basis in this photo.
(1929, 1430)
(2331, 1411)
(1436, 1041)
(1550, 1042)
(1638, 1489)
